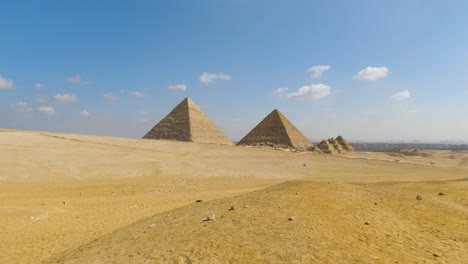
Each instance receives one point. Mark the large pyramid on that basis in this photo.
(276, 129)
(186, 122)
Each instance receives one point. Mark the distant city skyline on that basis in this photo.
(370, 71)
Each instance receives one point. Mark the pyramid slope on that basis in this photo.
(186, 122)
(276, 129)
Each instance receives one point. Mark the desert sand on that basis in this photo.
(67, 198)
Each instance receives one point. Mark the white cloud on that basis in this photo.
(22, 107)
(318, 70)
(209, 78)
(177, 87)
(48, 110)
(40, 99)
(372, 73)
(76, 80)
(21, 104)
(280, 90)
(5, 84)
(137, 94)
(401, 96)
(85, 113)
(39, 85)
(314, 91)
(65, 98)
(111, 97)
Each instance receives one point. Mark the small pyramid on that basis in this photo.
(326, 147)
(186, 122)
(276, 129)
(344, 143)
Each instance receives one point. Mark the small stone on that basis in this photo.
(292, 218)
(64, 202)
(441, 193)
(367, 223)
(435, 255)
(199, 201)
(232, 208)
(211, 217)
(151, 226)
(375, 203)
(304, 165)
(297, 193)
(419, 197)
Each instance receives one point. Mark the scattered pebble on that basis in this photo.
(232, 208)
(151, 226)
(199, 201)
(297, 193)
(419, 197)
(292, 218)
(367, 223)
(375, 203)
(435, 255)
(211, 217)
(441, 193)
(304, 165)
(64, 202)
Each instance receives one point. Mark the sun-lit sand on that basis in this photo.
(89, 199)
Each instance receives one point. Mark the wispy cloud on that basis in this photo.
(372, 73)
(5, 83)
(137, 94)
(85, 113)
(280, 92)
(401, 96)
(77, 80)
(143, 113)
(38, 85)
(65, 98)
(318, 70)
(111, 97)
(210, 78)
(48, 110)
(40, 99)
(177, 87)
(314, 92)
(22, 107)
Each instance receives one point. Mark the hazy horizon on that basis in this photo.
(370, 71)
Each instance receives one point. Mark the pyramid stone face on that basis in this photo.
(276, 129)
(186, 122)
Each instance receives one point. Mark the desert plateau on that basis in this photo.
(69, 198)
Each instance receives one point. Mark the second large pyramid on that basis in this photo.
(278, 130)
(186, 122)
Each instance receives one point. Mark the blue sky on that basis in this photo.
(369, 70)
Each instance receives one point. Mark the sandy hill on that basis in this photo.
(65, 197)
(300, 222)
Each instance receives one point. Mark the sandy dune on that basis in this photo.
(79, 198)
